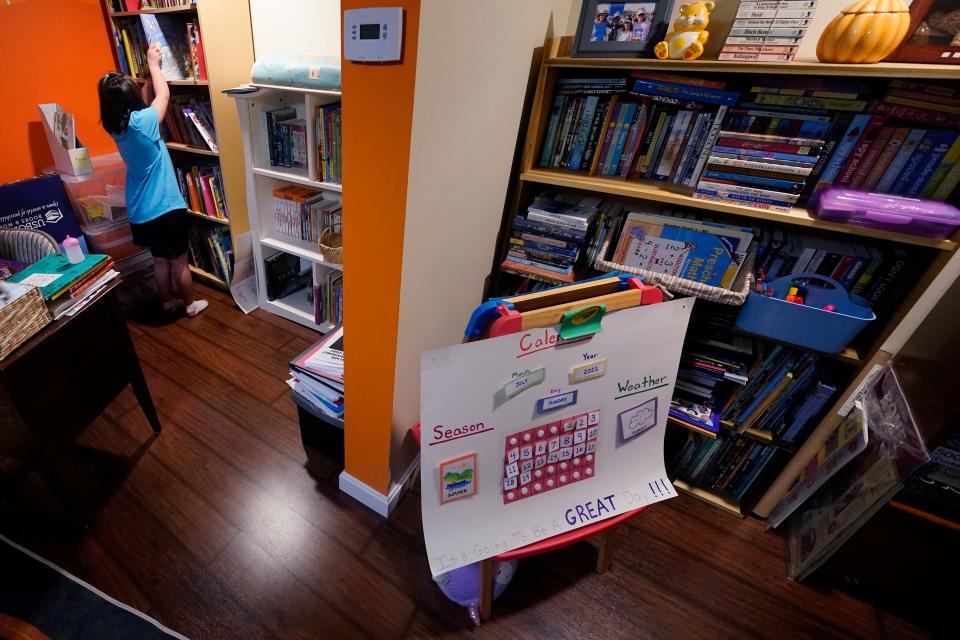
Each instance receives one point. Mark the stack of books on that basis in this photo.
(316, 376)
(211, 250)
(705, 252)
(768, 30)
(548, 240)
(328, 299)
(302, 212)
(202, 188)
(329, 143)
(190, 121)
(758, 170)
(698, 395)
(286, 138)
(66, 287)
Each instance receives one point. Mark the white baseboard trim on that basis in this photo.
(373, 499)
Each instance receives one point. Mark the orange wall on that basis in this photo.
(377, 118)
(50, 51)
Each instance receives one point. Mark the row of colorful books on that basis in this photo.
(179, 38)
(202, 188)
(556, 234)
(772, 144)
(328, 298)
(768, 30)
(286, 138)
(730, 466)
(329, 143)
(190, 121)
(211, 249)
(303, 212)
(166, 4)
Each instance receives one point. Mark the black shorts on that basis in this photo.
(166, 235)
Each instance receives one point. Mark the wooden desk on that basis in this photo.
(55, 384)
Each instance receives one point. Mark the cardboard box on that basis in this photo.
(69, 154)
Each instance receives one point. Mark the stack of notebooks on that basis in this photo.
(672, 244)
(654, 131)
(316, 376)
(286, 138)
(202, 188)
(698, 394)
(768, 30)
(329, 143)
(190, 121)
(548, 240)
(66, 287)
(730, 466)
(302, 212)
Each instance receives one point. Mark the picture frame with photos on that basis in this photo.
(933, 35)
(621, 29)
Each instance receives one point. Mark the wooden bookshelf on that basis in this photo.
(531, 179)
(186, 148)
(798, 216)
(228, 55)
(559, 56)
(710, 497)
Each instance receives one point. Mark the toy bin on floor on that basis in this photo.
(806, 325)
(113, 238)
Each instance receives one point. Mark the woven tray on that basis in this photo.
(331, 246)
(22, 317)
(735, 296)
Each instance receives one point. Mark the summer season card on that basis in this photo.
(527, 436)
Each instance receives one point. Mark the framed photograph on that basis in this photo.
(934, 33)
(621, 29)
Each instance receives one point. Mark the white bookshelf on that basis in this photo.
(262, 179)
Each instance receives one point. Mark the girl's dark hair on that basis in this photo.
(119, 97)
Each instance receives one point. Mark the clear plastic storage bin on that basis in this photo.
(113, 238)
(108, 170)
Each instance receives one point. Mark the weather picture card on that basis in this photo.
(579, 442)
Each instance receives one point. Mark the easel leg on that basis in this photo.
(486, 588)
(605, 550)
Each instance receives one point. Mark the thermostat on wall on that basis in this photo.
(372, 35)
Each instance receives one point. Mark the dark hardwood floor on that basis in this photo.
(217, 529)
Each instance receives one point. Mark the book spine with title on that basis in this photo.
(768, 30)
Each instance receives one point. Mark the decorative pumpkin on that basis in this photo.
(866, 31)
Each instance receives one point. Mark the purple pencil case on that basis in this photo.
(930, 218)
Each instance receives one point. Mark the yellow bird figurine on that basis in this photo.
(689, 33)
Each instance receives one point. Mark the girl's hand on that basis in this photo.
(154, 55)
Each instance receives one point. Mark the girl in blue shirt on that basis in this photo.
(157, 212)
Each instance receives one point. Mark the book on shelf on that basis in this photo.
(328, 298)
(165, 4)
(202, 188)
(729, 466)
(189, 121)
(328, 134)
(303, 213)
(284, 275)
(211, 250)
(770, 143)
(285, 137)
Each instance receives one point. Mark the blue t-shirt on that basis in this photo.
(152, 188)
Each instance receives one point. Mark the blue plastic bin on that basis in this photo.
(806, 325)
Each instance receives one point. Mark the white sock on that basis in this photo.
(196, 307)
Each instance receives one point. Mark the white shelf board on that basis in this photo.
(301, 248)
(280, 174)
(277, 87)
(292, 308)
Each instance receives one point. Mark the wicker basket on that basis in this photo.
(26, 314)
(331, 246)
(735, 296)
